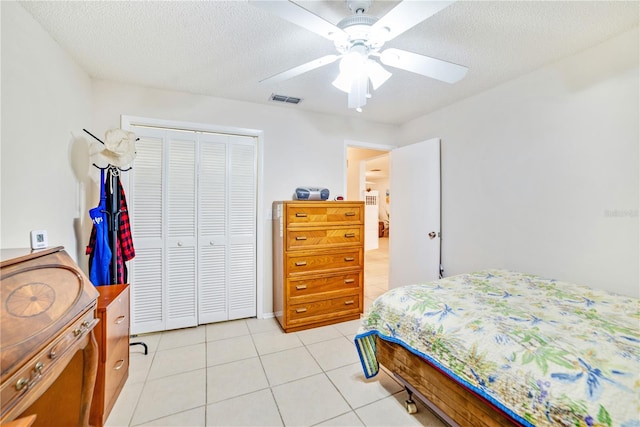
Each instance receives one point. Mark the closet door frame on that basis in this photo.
(130, 123)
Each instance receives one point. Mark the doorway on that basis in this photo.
(375, 161)
(414, 244)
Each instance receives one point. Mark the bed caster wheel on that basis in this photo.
(411, 406)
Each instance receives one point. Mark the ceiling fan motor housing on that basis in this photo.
(358, 29)
(359, 6)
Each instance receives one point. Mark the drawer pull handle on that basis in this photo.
(348, 302)
(36, 374)
(82, 329)
(22, 383)
(301, 215)
(301, 263)
(349, 280)
(119, 320)
(119, 364)
(349, 258)
(349, 234)
(54, 351)
(300, 310)
(301, 287)
(349, 214)
(301, 237)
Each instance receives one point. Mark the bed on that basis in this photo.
(503, 348)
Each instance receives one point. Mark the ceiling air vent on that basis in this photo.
(284, 98)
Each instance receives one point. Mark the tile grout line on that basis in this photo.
(264, 371)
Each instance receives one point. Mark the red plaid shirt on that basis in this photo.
(124, 246)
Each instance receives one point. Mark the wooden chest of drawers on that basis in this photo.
(48, 352)
(318, 263)
(112, 334)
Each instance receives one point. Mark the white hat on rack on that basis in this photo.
(119, 147)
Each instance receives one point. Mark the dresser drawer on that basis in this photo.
(326, 309)
(309, 213)
(116, 369)
(116, 323)
(322, 262)
(45, 366)
(306, 287)
(318, 238)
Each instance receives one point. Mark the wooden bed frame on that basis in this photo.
(457, 403)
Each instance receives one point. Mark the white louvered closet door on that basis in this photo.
(145, 204)
(227, 224)
(193, 213)
(242, 227)
(213, 305)
(181, 300)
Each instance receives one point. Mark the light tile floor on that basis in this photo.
(249, 373)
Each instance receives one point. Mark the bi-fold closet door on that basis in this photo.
(193, 216)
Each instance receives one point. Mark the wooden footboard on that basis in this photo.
(458, 403)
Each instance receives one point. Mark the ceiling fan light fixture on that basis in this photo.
(352, 66)
(354, 61)
(377, 74)
(357, 97)
(342, 82)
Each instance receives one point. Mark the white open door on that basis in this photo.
(414, 217)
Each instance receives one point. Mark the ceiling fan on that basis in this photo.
(359, 39)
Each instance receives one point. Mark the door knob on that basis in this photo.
(432, 235)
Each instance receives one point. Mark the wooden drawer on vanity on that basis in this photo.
(42, 370)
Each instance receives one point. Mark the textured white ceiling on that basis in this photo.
(224, 48)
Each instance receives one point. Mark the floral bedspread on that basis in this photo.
(544, 351)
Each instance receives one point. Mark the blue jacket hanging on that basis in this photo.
(101, 253)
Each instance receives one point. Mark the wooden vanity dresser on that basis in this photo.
(48, 353)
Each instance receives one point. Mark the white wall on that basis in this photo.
(535, 171)
(46, 101)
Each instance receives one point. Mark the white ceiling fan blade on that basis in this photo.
(420, 64)
(300, 69)
(300, 16)
(407, 14)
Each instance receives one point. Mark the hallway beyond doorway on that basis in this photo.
(376, 272)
